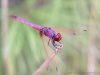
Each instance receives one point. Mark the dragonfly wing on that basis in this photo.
(71, 34)
(72, 31)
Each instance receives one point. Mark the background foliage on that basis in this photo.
(24, 47)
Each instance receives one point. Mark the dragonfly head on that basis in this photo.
(57, 37)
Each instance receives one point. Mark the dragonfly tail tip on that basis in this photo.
(12, 16)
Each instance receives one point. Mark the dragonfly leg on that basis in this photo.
(60, 42)
(49, 44)
(54, 44)
(57, 45)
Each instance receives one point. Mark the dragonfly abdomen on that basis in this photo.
(35, 26)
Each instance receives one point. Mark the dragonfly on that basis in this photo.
(47, 31)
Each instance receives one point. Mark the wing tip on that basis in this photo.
(85, 30)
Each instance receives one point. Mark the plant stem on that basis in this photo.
(46, 62)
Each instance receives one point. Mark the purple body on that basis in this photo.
(35, 26)
(43, 31)
(48, 32)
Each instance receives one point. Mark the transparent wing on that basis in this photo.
(72, 36)
(71, 31)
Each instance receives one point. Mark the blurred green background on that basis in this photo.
(21, 49)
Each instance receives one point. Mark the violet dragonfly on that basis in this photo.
(47, 31)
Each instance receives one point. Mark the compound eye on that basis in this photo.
(57, 37)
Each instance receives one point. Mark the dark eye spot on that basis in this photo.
(74, 34)
(85, 30)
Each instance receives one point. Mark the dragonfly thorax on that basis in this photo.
(49, 32)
